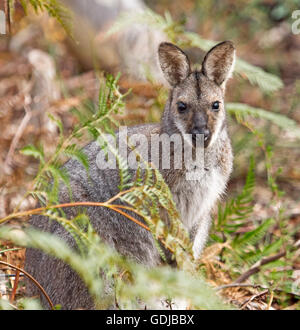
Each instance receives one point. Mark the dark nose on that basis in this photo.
(201, 130)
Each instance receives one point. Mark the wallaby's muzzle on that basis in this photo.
(199, 126)
(196, 131)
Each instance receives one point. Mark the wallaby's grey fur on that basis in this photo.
(195, 106)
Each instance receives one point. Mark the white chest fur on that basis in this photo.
(194, 200)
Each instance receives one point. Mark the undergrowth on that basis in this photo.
(147, 193)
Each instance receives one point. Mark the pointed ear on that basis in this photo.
(219, 62)
(173, 62)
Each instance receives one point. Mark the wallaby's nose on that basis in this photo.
(201, 130)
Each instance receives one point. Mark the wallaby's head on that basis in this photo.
(196, 101)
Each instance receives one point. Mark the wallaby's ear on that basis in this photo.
(219, 62)
(173, 62)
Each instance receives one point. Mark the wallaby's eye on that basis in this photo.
(215, 106)
(181, 106)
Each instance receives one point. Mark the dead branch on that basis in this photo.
(17, 137)
(249, 285)
(240, 285)
(7, 16)
(16, 283)
(253, 297)
(257, 266)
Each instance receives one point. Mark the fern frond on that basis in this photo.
(35, 152)
(242, 111)
(252, 237)
(237, 209)
(76, 153)
(266, 81)
(54, 8)
(254, 256)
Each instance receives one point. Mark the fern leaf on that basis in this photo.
(78, 154)
(33, 151)
(253, 236)
(55, 9)
(244, 110)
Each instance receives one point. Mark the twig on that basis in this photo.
(249, 285)
(114, 207)
(8, 250)
(130, 217)
(32, 279)
(240, 285)
(270, 300)
(257, 266)
(7, 16)
(253, 297)
(16, 282)
(17, 137)
(110, 206)
(11, 305)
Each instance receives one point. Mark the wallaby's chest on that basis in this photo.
(195, 198)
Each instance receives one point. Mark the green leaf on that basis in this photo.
(58, 123)
(273, 247)
(31, 150)
(77, 154)
(244, 110)
(54, 9)
(253, 236)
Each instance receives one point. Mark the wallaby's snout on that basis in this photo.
(199, 126)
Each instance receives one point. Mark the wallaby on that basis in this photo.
(195, 106)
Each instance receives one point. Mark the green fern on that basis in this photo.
(252, 237)
(110, 102)
(236, 211)
(248, 248)
(243, 111)
(253, 256)
(245, 248)
(54, 8)
(74, 152)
